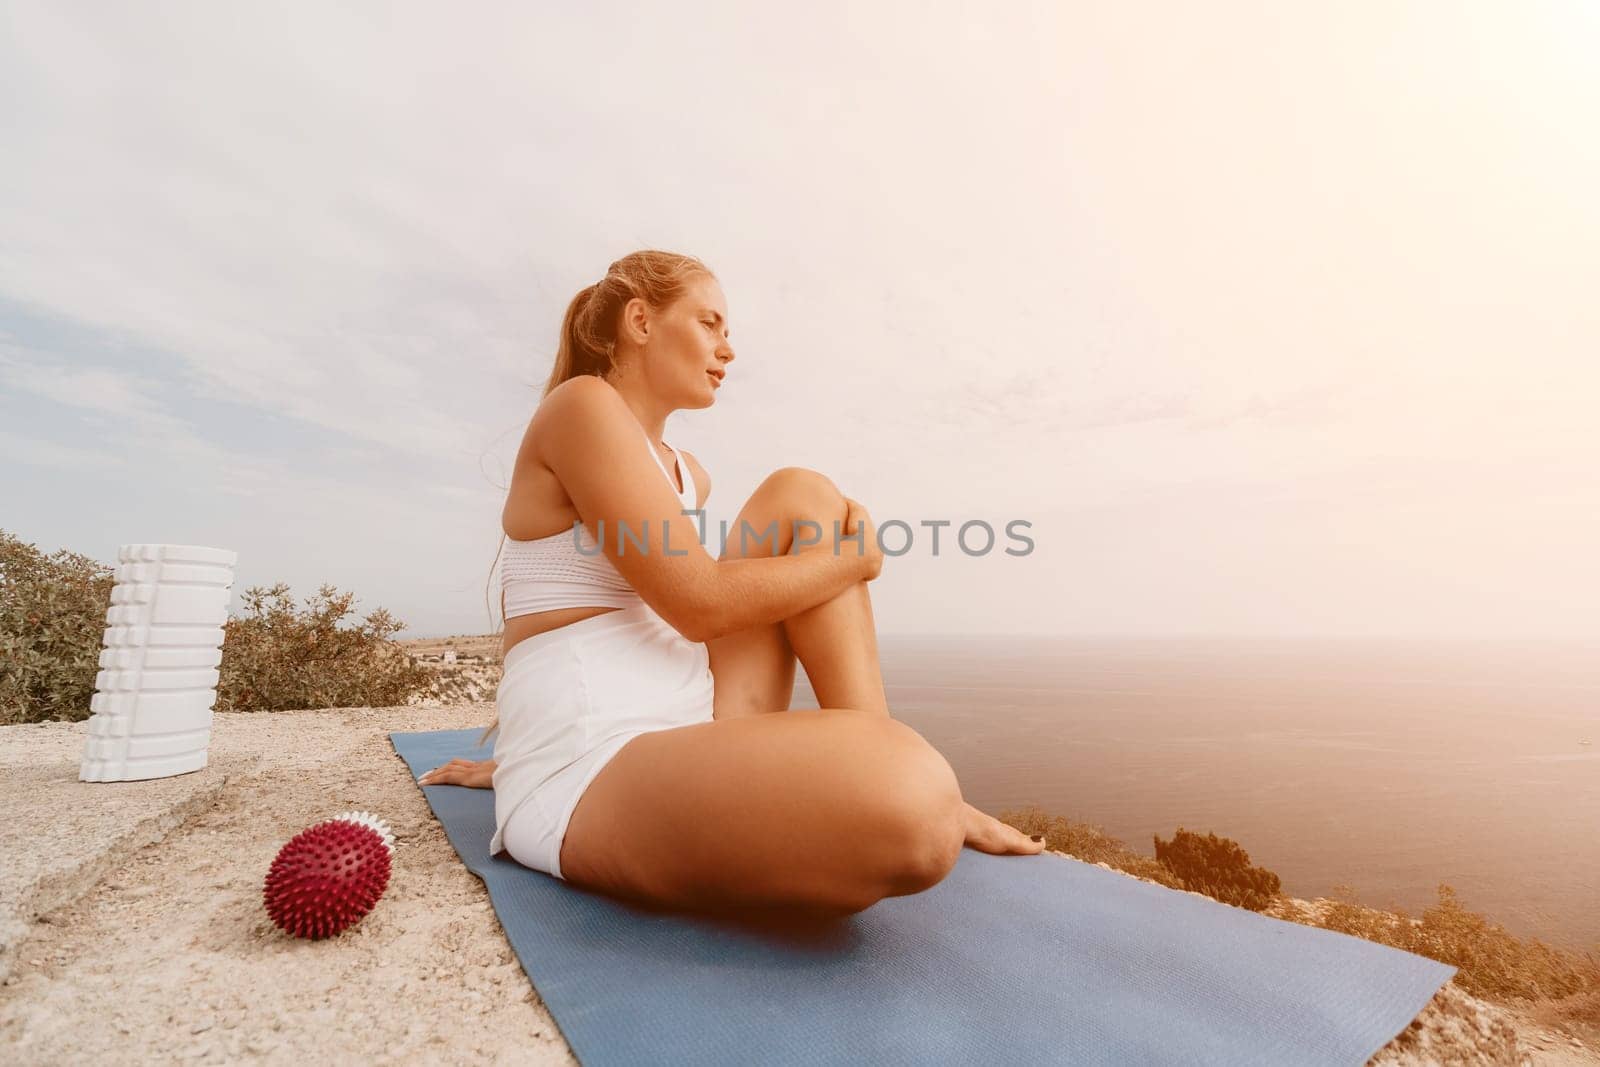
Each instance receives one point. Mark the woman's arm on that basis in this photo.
(701, 597)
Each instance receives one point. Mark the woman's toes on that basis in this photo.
(988, 834)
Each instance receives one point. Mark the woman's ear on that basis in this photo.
(635, 325)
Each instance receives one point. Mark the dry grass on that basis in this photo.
(1562, 988)
(1090, 844)
(1494, 964)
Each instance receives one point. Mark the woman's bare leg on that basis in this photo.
(822, 810)
(836, 641)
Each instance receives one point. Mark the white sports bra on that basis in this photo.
(550, 572)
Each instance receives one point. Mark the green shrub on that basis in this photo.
(277, 657)
(52, 621)
(1217, 867)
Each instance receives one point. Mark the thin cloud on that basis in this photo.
(318, 264)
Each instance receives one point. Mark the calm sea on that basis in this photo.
(1388, 767)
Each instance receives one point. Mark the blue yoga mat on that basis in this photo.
(1010, 959)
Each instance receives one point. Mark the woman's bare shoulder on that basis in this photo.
(577, 421)
(575, 398)
(576, 405)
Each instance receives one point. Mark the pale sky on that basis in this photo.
(1271, 319)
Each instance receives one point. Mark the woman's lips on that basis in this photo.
(714, 379)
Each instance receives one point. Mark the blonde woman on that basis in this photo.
(637, 752)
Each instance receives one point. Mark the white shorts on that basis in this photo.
(569, 699)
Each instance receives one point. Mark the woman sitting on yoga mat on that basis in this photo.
(637, 751)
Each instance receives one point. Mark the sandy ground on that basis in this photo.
(160, 948)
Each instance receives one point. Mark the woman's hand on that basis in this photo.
(871, 555)
(475, 774)
(988, 834)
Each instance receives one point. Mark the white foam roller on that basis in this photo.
(197, 573)
(135, 769)
(124, 658)
(152, 709)
(177, 554)
(176, 636)
(156, 679)
(168, 745)
(159, 604)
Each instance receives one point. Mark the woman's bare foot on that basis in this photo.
(988, 834)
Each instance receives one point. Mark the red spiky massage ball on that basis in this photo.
(329, 875)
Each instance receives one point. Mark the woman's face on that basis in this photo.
(687, 349)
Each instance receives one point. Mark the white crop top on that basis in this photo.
(550, 572)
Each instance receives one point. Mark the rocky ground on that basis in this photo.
(466, 669)
(160, 948)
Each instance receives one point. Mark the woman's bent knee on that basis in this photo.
(923, 792)
(868, 809)
(774, 517)
(811, 490)
(933, 841)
